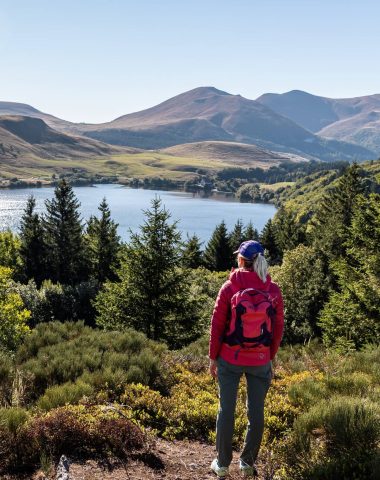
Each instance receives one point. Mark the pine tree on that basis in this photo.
(289, 232)
(250, 232)
(218, 252)
(268, 240)
(152, 295)
(333, 217)
(63, 233)
(103, 244)
(192, 254)
(236, 237)
(33, 249)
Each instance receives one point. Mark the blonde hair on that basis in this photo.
(258, 264)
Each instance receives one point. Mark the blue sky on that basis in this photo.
(94, 60)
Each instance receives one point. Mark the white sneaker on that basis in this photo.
(221, 472)
(246, 470)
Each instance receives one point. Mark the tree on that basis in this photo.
(218, 252)
(334, 213)
(269, 242)
(236, 237)
(304, 290)
(63, 235)
(250, 232)
(192, 254)
(103, 244)
(289, 232)
(351, 316)
(152, 293)
(10, 252)
(13, 315)
(32, 249)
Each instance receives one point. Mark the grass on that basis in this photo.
(146, 164)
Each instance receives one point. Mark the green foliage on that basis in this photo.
(218, 253)
(336, 439)
(54, 301)
(152, 295)
(10, 252)
(288, 231)
(192, 255)
(63, 235)
(13, 315)
(103, 244)
(302, 281)
(60, 395)
(71, 353)
(32, 249)
(352, 313)
(269, 242)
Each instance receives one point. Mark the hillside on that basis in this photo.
(355, 120)
(206, 113)
(237, 153)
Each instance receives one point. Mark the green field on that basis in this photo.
(141, 165)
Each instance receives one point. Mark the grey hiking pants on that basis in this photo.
(258, 381)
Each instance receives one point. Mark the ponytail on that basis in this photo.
(260, 266)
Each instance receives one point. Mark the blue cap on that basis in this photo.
(250, 248)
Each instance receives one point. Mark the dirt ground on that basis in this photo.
(178, 460)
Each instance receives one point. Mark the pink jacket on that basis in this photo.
(241, 279)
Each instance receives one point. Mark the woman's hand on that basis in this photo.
(213, 368)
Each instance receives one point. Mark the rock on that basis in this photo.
(63, 469)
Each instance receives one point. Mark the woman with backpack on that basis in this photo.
(246, 330)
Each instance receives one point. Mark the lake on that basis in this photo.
(194, 214)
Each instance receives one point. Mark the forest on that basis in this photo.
(88, 321)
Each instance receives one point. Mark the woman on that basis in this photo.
(246, 331)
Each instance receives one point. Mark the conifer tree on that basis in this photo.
(218, 252)
(268, 240)
(250, 232)
(333, 216)
(288, 231)
(32, 248)
(237, 235)
(103, 244)
(192, 254)
(152, 295)
(63, 233)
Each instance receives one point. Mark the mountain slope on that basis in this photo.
(24, 137)
(355, 120)
(209, 114)
(238, 153)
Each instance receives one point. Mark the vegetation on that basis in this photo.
(142, 365)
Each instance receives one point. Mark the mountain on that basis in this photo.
(206, 114)
(355, 120)
(25, 137)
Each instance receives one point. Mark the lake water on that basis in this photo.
(194, 214)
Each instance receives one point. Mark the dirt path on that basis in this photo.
(179, 460)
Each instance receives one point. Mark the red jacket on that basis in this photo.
(241, 279)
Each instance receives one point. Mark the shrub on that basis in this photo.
(75, 431)
(60, 395)
(103, 360)
(336, 439)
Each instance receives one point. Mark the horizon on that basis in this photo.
(95, 61)
(195, 88)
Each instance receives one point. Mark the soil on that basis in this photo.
(178, 460)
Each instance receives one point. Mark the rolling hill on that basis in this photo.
(355, 120)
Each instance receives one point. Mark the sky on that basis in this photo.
(94, 60)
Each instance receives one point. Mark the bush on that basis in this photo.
(336, 439)
(75, 431)
(56, 354)
(60, 395)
